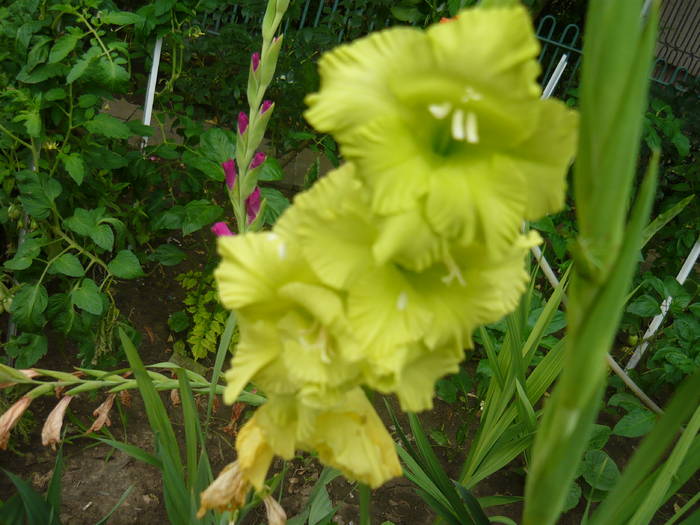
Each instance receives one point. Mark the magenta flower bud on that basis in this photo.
(252, 205)
(230, 171)
(255, 61)
(267, 104)
(258, 159)
(242, 122)
(221, 229)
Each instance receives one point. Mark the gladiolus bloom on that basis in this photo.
(230, 172)
(449, 122)
(255, 60)
(258, 159)
(267, 104)
(221, 229)
(252, 204)
(242, 123)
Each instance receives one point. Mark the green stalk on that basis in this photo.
(365, 504)
(619, 47)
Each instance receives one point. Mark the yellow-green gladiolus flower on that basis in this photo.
(448, 124)
(348, 436)
(294, 337)
(373, 261)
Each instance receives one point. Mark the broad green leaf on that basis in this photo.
(37, 193)
(198, 214)
(63, 46)
(599, 470)
(635, 424)
(55, 94)
(208, 167)
(644, 306)
(111, 73)
(599, 437)
(125, 265)
(572, 497)
(68, 264)
(120, 18)
(270, 170)
(81, 66)
(103, 237)
(27, 349)
(218, 145)
(28, 305)
(27, 251)
(87, 296)
(276, 203)
(74, 166)
(139, 129)
(88, 100)
(108, 126)
(32, 123)
(168, 255)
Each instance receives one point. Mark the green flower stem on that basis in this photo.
(79, 248)
(365, 504)
(14, 137)
(97, 37)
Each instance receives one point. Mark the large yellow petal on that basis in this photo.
(352, 438)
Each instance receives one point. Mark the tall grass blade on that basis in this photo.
(656, 495)
(221, 353)
(36, 510)
(122, 499)
(664, 218)
(624, 499)
(191, 423)
(155, 410)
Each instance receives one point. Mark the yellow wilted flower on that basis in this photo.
(348, 436)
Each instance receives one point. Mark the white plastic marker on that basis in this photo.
(151, 88)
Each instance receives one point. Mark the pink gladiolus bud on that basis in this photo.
(230, 171)
(255, 61)
(267, 104)
(258, 159)
(242, 122)
(252, 205)
(221, 229)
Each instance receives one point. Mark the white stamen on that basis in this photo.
(402, 301)
(458, 125)
(471, 128)
(471, 94)
(282, 250)
(440, 111)
(454, 274)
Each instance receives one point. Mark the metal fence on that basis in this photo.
(678, 50)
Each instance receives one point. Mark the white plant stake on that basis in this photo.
(656, 321)
(151, 88)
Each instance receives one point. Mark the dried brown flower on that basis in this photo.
(102, 413)
(227, 491)
(51, 432)
(9, 419)
(275, 512)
